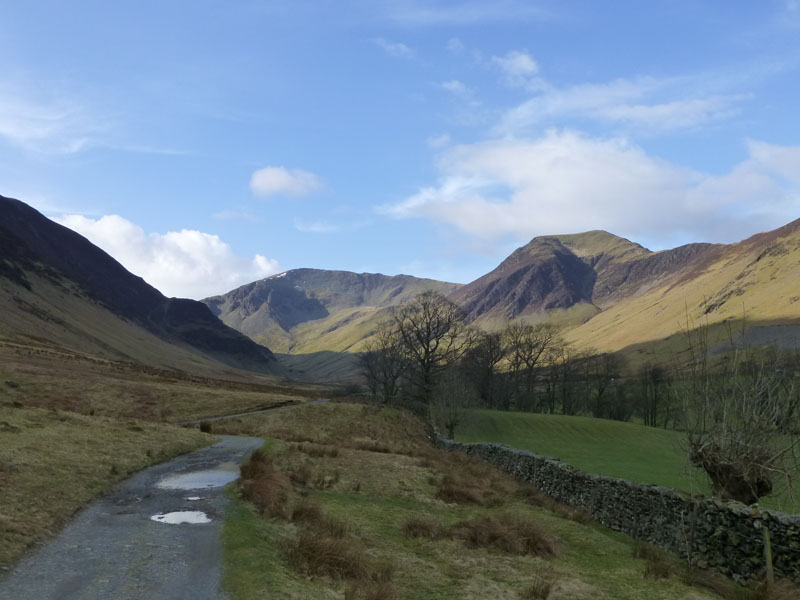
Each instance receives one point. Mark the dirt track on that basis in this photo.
(114, 550)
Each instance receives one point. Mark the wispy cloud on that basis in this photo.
(277, 181)
(566, 181)
(327, 227)
(394, 49)
(235, 215)
(517, 66)
(645, 103)
(185, 263)
(48, 125)
(438, 141)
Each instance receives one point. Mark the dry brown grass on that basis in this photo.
(658, 563)
(368, 590)
(515, 534)
(538, 589)
(467, 480)
(425, 528)
(318, 450)
(265, 485)
(781, 589)
(319, 555)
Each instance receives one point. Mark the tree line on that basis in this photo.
(741, 415)
(424, 354)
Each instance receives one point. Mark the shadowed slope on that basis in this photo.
(59, 285)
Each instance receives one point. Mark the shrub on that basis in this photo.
(205, 426)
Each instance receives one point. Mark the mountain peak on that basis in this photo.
(596, 244)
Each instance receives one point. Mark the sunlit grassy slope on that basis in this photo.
(756, 281)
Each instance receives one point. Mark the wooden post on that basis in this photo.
(768, 557)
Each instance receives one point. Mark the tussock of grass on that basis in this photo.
(510, 533)
(658, 563)
(368, 590)
(469, 481)
(754, 590)
(425, 528)
(538, 589)
(265, 485)
(318, 450)
(320, 555)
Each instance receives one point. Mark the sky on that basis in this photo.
(211, 143)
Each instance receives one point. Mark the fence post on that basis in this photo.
(768, 557)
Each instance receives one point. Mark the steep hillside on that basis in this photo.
(757, 279)
(310, 310)
(57, 288)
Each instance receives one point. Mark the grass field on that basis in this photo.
(367, 473)
(625, 450)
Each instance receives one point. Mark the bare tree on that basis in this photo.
(479, 367)
(432, 332)
(452, 399)
(383, 363)
(527, 345)
(654, 399)
(605, 371)
(742, 416)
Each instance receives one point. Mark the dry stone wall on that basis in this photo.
(728, 537)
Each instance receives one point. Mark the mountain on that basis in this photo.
(317, 314)
(604, 291)
(58, 288)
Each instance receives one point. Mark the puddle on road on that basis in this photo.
(192, 517)
(221, 475)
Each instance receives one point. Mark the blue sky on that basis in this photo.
(210, 143)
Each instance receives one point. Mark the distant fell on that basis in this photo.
(58, 286)
(308, 311)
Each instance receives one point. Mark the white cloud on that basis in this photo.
(454, 86)
(395, 49)
(455, 45)
(315, 226)
(517, 66)
(186, 263)
(271, 181)
(235, 215)
(567, 182)
(637, 103)
(438, 141)
(46, 125)
(326, 227)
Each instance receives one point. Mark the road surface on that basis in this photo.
(124, 547)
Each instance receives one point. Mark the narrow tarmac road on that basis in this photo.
(134, 544)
